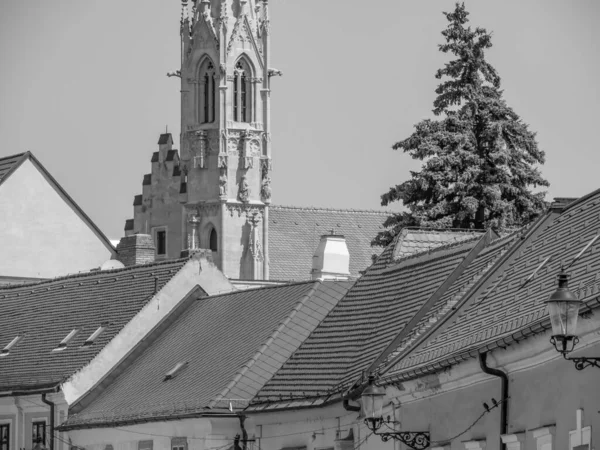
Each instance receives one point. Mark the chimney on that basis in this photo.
(136, 249)
(331, 260)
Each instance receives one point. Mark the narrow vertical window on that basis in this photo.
(236, 94)
(39, 433)
(161, 242)
(242, 111)
(213, 244)
(244, 98)
(206, 95)
(213, 100)
(4, 436)
(206, 98)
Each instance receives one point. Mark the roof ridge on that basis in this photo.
(408, 260)
(246, 367)
(16, 155)
(317, 208)
(425, 324)
(241, 291)
(13, 287)
(581, 199)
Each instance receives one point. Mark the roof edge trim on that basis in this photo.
(84, 400)
(483, 242)
(266, 345)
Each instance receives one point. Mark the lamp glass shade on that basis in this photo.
(563, 317)
(372, 402)
(563, 309)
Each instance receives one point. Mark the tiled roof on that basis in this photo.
(45, 312)
(147, 179)
(128, 224)
(171, 154)
(512, 305)
(364, 322)
(137, 200)
(8, 163)
(164, 138)
(154, 157)
(295, 232)
(245, 337)
(417, 240)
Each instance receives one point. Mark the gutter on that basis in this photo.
(504, 394)
(52, 408)
(21, 393)
(126, 422)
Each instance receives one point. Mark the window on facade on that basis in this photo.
(145, 445)
(207, 80)
(241, 92)
(4, 436)
(161, 242)
(39, 433)
(213, 243)
(178, 443)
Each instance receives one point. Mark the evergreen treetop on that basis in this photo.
(479, 158)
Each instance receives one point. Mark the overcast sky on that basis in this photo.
(83, 86)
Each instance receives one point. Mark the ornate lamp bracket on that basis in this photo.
(417, 440)
(583, 362)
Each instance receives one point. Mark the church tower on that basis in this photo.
(225, 138)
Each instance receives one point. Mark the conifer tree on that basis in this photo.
(479, 157)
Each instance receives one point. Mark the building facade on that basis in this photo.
(216, 193)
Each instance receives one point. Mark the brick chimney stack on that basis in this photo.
(331, 260)
(136, 249)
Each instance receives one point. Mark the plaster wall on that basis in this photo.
(22, 411)
(197, 271)
(199, 433)
(314, 428)
(160, 208)
(41, 235)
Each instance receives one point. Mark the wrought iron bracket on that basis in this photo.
(417, 440)
(583, 362)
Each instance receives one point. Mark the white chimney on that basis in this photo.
(331, 260)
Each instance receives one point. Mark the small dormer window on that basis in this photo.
(63, 344)
(89, 341)
(175, 370)
(6, 350)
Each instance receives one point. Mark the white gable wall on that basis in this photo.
(41, 236)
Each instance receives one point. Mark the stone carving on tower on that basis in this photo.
(225, 126)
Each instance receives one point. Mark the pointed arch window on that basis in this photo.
(213, 243)
(242, 111)
(207, 98)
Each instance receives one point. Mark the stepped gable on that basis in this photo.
(10, 163)
(364, 323)
(295, 232)
(44, 313)
(512, 307)
(246, 336)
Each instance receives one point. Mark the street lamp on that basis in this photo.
(563, 308)
(372, 408)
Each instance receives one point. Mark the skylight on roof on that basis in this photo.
(89, 341)
(6, 350)
(175, 370)
(63, 344)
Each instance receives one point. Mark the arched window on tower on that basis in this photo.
(242, 92)
(207, 95)
(213, 243)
